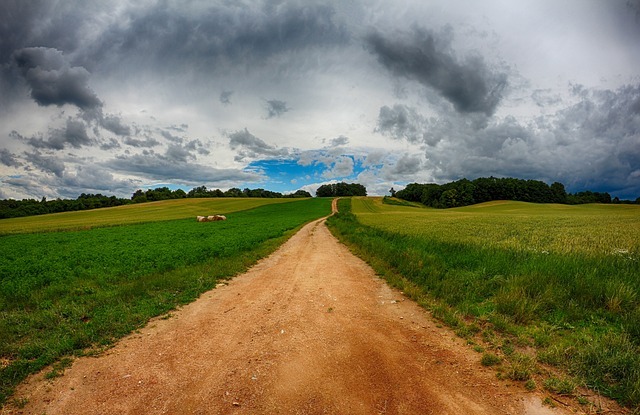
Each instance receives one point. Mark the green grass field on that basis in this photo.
(71, 292)
(561, 280)
(136, 213)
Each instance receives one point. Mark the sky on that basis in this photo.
(113, 96)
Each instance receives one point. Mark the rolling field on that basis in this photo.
(561, 280)
(75, 291)
(594, 230)
(135, 213)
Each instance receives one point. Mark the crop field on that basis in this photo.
(561, 280)
(71, 292)
(594, 230)
(135, 213)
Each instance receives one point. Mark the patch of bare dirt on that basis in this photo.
(308, 330)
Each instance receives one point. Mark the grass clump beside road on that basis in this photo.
(562, 280)
(68, 293)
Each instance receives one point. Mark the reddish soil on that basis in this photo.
(308, 330)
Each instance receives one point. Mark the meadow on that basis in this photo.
(73, 292)
(533, 286)
(130, 214)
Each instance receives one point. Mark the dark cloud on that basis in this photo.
(24, 185)
(91, 179)
(213, 35)
(197, 146)
(154, 54)
(634, 7)
(424, 56)
(250, 146)
(171, 137)
(110, 144)
(84, 179)
(146, 143)
(402, 122)
(170, 34)
(275, 108)
(591, 144)
(55, 24)
(225, 97)
(457, 146)
(115, 124)
(158, 167)
(606, 125)
(406, 166)
(8, 159)
(48, 164)
(53, 81)
(18, 19)
(178, 153)
(74, 134)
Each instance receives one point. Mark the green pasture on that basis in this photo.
(135, 213)
(561, 280)
(72, 292)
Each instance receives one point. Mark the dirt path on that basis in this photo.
(309, 330)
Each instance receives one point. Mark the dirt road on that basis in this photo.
(309, 330)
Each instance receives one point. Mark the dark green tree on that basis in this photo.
(559, 193)
(341, 189)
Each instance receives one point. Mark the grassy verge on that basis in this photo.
(570, 310)
(72, 293)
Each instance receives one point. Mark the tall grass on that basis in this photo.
(66, 293)
(512, 268)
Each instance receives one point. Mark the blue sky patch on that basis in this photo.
(289, 175)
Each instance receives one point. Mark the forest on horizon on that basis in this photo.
(454, 194)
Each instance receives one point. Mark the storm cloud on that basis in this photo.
(407, 166)
(53, 81)
(426, 57)
(9, 159)
(595, 140)
(402, 122)
(115, 124)
(218, 34)
(45, 163)
(74, 134)
(290, 95)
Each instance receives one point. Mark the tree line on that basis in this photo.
(468, 192)
(11, 208)
(341, 189)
